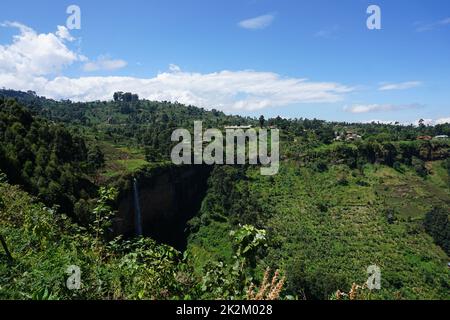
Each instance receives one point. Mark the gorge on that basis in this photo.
(160, 201)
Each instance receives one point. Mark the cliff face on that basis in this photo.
(168, 198)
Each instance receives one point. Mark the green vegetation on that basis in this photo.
(437, 224)
(45, 158)
(336, 207)
(325, 234)
(43, 244)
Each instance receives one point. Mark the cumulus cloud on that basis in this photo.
(63, 33)
(104, 63)
(33, 54)
(227, 90)
(400, 86)
(260, 22)
(174, 68)
(443, 120)
(33, 62)
(366, 108)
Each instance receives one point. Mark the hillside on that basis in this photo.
(326, 228)
(336, 207)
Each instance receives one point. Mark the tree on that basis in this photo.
(222, 281)
(103, 212)
(261, 121)
(125, 97)
(44, 157)
(118, 96)
(95, 158)
(438, 226)
(152, 154)
(422, 123)
(325, 134)
(419, 167)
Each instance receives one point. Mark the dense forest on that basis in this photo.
(347, 196)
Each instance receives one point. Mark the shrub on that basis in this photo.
(419, 167)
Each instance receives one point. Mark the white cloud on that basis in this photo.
(443, 120)
(366, 108)
(174, 68)
(226, 90)
(260, 22)
(35, 54)
(32, 60)
(431, 122)
(63, 33)
(104, 63)
(400, 86)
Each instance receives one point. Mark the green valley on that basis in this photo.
(76, 176)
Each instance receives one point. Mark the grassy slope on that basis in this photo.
(325, 234)
(121, 160)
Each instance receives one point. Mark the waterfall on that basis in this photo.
(137, 209)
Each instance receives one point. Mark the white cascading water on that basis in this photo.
(137, 209)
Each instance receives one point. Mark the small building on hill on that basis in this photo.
(347, 136)
(238, 127)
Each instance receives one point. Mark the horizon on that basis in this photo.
(252, 117)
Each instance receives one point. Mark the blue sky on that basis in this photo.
(289, 58)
